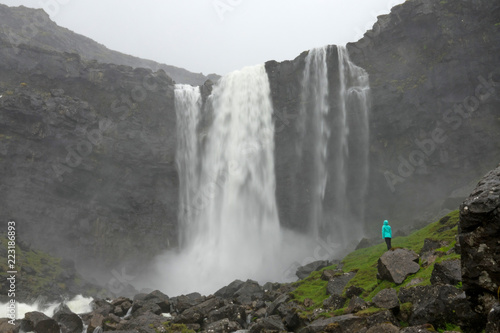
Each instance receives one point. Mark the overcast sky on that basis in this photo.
(215, 36)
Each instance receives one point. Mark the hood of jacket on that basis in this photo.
(386, 222)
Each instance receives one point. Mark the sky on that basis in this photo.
(215, 36)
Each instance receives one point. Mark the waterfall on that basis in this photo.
(187, 106)
(227, 206)
(332, 144)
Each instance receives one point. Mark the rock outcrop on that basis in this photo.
(396, 265)
(479, 234)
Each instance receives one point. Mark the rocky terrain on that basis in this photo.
(417, 286)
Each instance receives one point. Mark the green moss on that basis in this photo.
(168, 327)
(369, 311)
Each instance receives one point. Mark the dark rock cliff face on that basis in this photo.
(435, 118)
(87, 156)
(479, 235)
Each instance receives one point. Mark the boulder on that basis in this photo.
(271, 323)
(96, 320)
(160, 299)
(249, 291)
(438, 305)
(222, 326)
(329, 274)
(338, 324)
(383, 328)
(493, 325)
(353, 291)
(334, 302)
(229, 290)
(432, 244)
(396, 265)
(304, 271)
(146, 323)
(68, 321)
(356, 304)
(42, 323)
(387, 299)
(102, 307)
(232, 312)
(381, 317)
(6, 327)
(447, 272)
(478, 234)
(198, 313)
(337, 284)
(183, 302)
(271, 310)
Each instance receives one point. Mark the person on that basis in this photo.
(387, 234)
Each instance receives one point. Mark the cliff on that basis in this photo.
(87, 156)
(435, 113)
(21, 25)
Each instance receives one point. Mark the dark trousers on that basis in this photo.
(388, 242)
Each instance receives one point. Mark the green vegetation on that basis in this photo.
(168, 327)
(364, 262)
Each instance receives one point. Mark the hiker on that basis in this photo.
(387, 234)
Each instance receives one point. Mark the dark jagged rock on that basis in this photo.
(229, 290)
(271, 323)
(198, 313)
(337, 284)
(345, 323)
(418, 329)
(102, 307)
(304, 271)
(396, 265)
(69, 322)
(381, 317)
(447, 272)
(493, 325)
(386, 298)
(438, 305)
(233, 312)
(271, 310)
(248, 292)
(353, 291)
(431, 244)
(222, 326)
(146, 323)
(334, 302)
(41, 323)
(356, 304)
(479, 232)
(7, 327)
(383, 328)
(183, 302)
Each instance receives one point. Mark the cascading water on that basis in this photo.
(227, 199)
(225, 156)
(188, 109)
(332, 144)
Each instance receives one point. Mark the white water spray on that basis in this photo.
(332, 144)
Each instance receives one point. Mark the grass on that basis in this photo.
(364, 262)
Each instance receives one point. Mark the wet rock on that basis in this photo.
(479, 234)
(438, 305)
(146, 323)
(101, 307)
(6, 327)
(353, 291)
(183, 302)
(447, 272)
(304, 271)
(395, 265)
(42, 323)
(68, 321)
(248, 292)
(271, 323)
(222, 326)
(334, 302)
(337, 284)
(418, 329)
(387, 299)
(432, 244)
(356, 304)
(339, 324)
(383, 328)
(232, 312)
(198, 313)
(493, 325)
(229, 290)
(271, 310)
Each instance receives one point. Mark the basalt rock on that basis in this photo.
(447, 272)
(479, 232)
(395, 265)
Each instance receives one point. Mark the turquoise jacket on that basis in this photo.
(386, 230)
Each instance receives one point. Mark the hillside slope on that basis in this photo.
(21, 25)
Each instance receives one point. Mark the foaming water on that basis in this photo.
(79, 305)
(229, 220)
